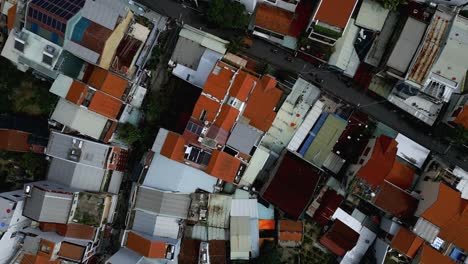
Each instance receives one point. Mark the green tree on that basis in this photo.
(129, 133)
(227, 14)
(269, 254)
(236, 44)
(392, 4)
(458, 135)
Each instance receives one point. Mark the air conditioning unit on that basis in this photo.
(200, 139)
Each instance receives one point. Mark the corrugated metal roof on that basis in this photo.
(406, 46)
(75, 175)
(46, 206)
(82, 52)
(219, 208)
(243, 138)
(326, 138)
(426, 230)
(103, 12)
(79, 119)
(162, 203)
(116, 180)
(187, 53)
(306, 126)
(170, 175)
(92, 153)
(206, 233)
(257, 162)
(240, 237)
(205, 39)
(372, 15)
(155, 225)
(244, 207)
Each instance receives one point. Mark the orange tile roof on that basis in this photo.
(262, 101)
(223, 166)
(381, 162)
(174, 147)
(456, 230)
(107, 82)
(462, 118)
(290, 225)
(401, 175)
(335, 12)
(396, 201)
(218, 84)
(432, 256)
(145, 247)
(290, 236)
(77, 92)
(70, 230)
(105, 105)
(35, 259)
(243, 84)
(49, 244)
(204, 103)
(227, 117)
(274, 19)
(11, 17)
(71, 251)
(407, 242)
(266, 224)
(446, 207)
(14, 140)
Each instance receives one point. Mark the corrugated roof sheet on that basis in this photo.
(81, 52)
(44, 206)
(107, 82)
(219, 209)
(155, 225)
(262, 103)
(240, 237)
(14, 140)
(104, 12)
(162, 203)
(244, 207)
(223, 166)
(407, 242)
(76, 175)
(273, 18)
(146, 247)
(293, 185)
(243, 138)
(206, 233)
(290, 226)
(205, 39)
(340, 238)
(105, 105)
(335, 12)
(396, 201)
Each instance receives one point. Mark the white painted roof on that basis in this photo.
(347, 219)
(61, 85)
(205, 39)
(257, 162)
(244, 207)
(372, 15)
(411, 151)
(366, 239)
(344, 48)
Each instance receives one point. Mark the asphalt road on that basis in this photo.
(261, 49)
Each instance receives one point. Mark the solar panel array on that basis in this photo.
(62, 8)
(54, 13)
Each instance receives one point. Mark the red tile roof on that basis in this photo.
(293, 185)
(456, 230)
(394, 200)
(273, 18)
(261, 104)
(340, 238)
(95, 37)
(407, 242)
(174, 147)
(330, 201)
(381, 162)
(14, 140)
(107, 82)
(266, 224)
(290, 225)
(462, 118)
(290, 236)
(223, 166)
(146, 247)
(218, 83)
(77, 92)
(335, 12)
(447, 206)
(432, 256)
(78, 231)
(71, 251)
(227, 117)
(243, 83)
(105, 105)
(210, 106)
(401, 175)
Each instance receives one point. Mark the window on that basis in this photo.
(19, 45)
(203, 115)
(47, 58)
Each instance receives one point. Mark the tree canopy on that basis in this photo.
(227, 14)
(392, 4)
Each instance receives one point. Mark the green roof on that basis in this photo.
(326, 138)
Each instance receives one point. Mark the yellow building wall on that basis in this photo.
(113, 42)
